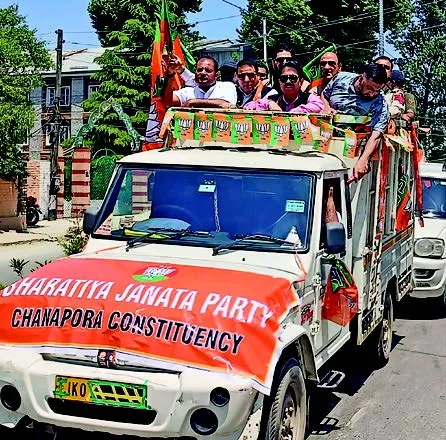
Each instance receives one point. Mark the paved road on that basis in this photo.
(405, 400)
(37, 251)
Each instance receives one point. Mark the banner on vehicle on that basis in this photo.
(163, 315)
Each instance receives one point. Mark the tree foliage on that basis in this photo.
(127, 29)
(422, 46)
(309, 26)
(22, 58)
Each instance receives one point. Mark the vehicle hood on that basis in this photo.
(161, 312)
(433, 228)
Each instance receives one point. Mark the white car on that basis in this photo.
(429, 250)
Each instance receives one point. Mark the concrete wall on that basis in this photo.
(8, 208)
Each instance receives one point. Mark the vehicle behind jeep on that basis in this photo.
(429, 248)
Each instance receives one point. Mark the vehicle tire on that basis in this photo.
(381, 338)
(287, 415)
(32, 216)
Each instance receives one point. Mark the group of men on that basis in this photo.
(378, 91)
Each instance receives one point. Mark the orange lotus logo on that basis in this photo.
(156, 273)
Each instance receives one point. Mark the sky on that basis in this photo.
(71, 15)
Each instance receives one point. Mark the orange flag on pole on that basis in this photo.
(166, 42)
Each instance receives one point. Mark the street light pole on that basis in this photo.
(54, 185)
(264, 35)
(381, 28)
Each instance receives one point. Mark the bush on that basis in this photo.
(74, 239)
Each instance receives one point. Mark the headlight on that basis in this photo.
(429, 247)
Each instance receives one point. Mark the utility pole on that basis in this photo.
(264, 35)
(381, 28)
(55, 180)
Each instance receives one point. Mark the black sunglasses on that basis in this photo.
(250, 75)
(283, 59)
(384, 65)
(263, 75)
(330, 63)
(284, 78)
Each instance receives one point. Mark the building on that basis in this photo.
(223, 50)
(78, 66)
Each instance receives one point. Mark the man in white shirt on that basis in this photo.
(208, 92)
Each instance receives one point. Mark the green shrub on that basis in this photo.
(74, 240)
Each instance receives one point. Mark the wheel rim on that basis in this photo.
(386, 333)
(290, 422)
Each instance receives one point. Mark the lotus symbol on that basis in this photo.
(281, 130)
(203, 125)
(241, 128)
(185, 123)
(153, 125)
(301, 126)
(222, 125)
(262, 128)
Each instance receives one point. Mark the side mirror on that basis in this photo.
(90, 215)
(335, 238)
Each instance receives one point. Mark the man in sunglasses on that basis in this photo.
(330, 67)
(208, 92)
(386, 62)
(361, 95)
(249, 87)
(264, 74)
(282, 55)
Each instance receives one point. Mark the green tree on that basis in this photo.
(127, 29)
(23, 57)
(309, 26)
(422, 47)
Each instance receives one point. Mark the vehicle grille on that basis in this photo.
(135, 416)
(424, 274)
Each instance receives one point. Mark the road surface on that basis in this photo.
(34, 251)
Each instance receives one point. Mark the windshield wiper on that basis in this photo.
(169, 233)
(247, 238)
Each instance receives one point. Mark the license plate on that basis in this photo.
(420, 284)
(101, 392)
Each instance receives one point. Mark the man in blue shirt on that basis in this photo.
(361, 95)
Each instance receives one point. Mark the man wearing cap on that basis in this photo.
(228, 71)
(395, 96)
(401, 104)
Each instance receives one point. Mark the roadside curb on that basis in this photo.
(33, 240)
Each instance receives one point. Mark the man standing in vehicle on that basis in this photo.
(330, 67)
(360, 95)
(208, 92)
(250, 88)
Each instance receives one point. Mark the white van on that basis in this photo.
(429, 249)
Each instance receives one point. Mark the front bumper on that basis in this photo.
(173, 396)
(430, 277)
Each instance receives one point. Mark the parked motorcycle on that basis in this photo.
(33, 211)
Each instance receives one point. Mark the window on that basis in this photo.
(65, 96)
(92, 88)
(27, 138)
(275, 204)
(64, 133)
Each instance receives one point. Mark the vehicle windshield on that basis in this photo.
(434, 197)
(211, 206)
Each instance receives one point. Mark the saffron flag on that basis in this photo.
(404, 203)
(417, 158)
(166, 42)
